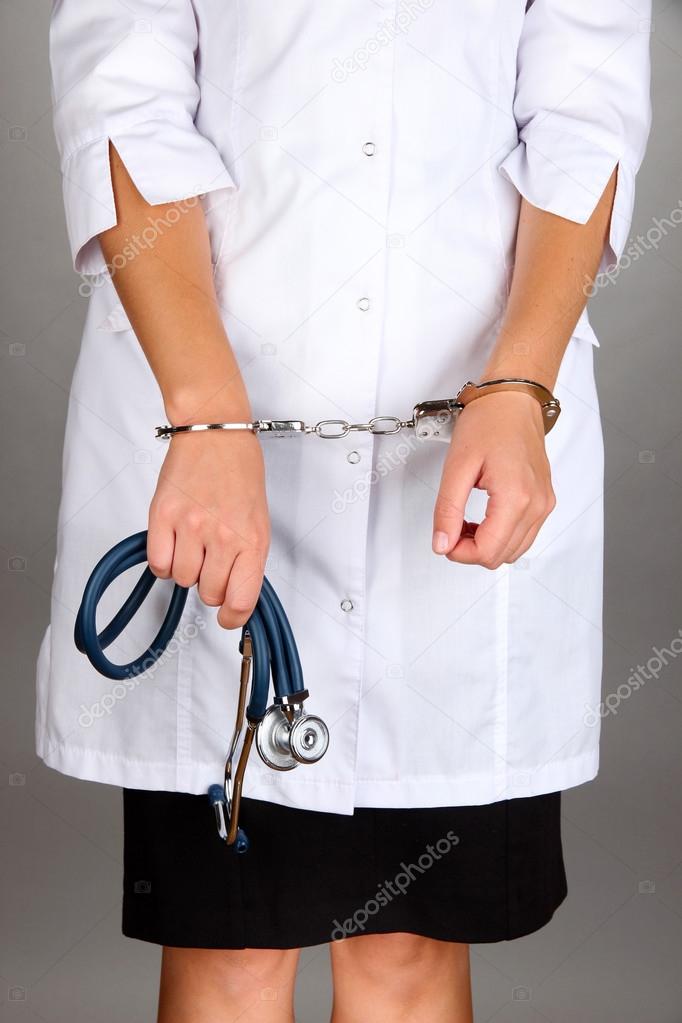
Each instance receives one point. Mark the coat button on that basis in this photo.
(363, 304)
(368, 148)
(353, 457)
(346, 605)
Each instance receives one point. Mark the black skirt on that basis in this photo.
(467, 873)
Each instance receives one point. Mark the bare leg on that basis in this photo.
(400, 978)
(254, 985)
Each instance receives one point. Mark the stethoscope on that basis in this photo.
(285, 735)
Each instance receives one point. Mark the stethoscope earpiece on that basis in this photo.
(285, 736)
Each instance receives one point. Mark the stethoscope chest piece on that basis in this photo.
(286, 738)
(309, 739)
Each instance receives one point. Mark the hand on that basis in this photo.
(498, 445)
(209, 523)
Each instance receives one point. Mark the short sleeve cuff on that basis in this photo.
(566, 174)
(167, 163)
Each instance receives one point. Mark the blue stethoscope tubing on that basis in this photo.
(274, 646)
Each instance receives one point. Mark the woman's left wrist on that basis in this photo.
(518, 369)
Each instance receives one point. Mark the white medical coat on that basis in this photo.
(361, 167)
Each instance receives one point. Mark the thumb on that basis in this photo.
(456, 484)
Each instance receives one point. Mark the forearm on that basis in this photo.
(208, 520)
(168, 293)
(554, 260)
(498, 443)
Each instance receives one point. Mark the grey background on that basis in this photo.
(614, 949)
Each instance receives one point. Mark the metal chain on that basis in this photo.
(378, 426)
(427, 417)
(329, 429)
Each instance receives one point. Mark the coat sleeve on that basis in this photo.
(582, 108)
(129, 76)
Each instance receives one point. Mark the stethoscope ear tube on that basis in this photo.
(268, 626)
(285, 736)
(295, 671)
(124, 555)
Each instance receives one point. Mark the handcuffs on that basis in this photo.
(285, 735)
(427, 416)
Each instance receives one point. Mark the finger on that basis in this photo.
(494, 534)
(469, 529)
(458, 480)
(160, 547)
(521, 544)
(188, 558)
(528, 527)
(465, 542)
(215, 572)
(525, 543)
(243, 589)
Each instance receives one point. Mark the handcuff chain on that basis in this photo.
(328, 429)
(438, 411)
(373, 426)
